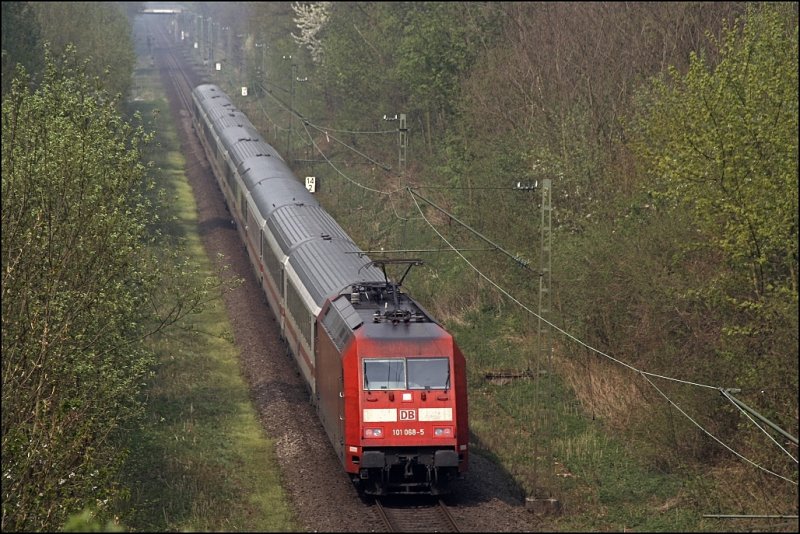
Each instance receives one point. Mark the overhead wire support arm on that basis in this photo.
(522, 262)
(727, 394)
(416, 250)
(408, 262)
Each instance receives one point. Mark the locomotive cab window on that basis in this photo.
(384, 374)
(406, 373)
(428, 373)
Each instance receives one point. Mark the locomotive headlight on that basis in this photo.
(443, 432)
(376, 432)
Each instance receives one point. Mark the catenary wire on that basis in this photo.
(712, 436)
(641, 372)
(644, 374)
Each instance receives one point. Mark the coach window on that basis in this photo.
(384, 374)
(428, 373)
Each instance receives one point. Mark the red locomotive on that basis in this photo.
(388, 381)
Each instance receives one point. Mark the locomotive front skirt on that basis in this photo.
(388, 382)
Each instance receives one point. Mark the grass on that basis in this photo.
(201, 462)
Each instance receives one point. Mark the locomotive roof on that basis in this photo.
(408, 333)
(374, 307)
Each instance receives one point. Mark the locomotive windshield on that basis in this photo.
(428, 373)
(406, 373)
(385, 374)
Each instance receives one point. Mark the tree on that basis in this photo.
(97, 30)
(84, 280)
(721, 143)
(310, 20)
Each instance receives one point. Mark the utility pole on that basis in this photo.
(199, 34)
(543, 335)
(291, 108)
(261, 71)
(545, 262)
(204, 41)
(229, 47)
(295, 78)
(543, 341)
(291, 111)
(210, 44)
(403, 143)
(402, 140)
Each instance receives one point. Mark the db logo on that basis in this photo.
(408, 415)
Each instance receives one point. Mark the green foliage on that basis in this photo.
(99, 31)
(358, 57)
(404, 56)
(439, 41)
(87, 521)
(721, 141)
(83, 283)
(74, 284)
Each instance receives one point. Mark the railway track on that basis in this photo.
(400, 516)
(165, 53)
(394, 515)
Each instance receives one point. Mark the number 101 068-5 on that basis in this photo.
(408, 431)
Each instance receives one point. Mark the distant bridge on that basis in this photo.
(161, 11)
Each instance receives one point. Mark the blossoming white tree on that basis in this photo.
(310, 20)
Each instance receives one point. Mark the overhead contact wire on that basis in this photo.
(381, 165)
(644, 374)
(305, 122)
(337, 169)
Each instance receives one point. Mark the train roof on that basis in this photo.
(374, 310)
(271, 195)
(330, 266)
(261, 167)
(210, 91)
(325, 258)
(243, 143)
(295, 224)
